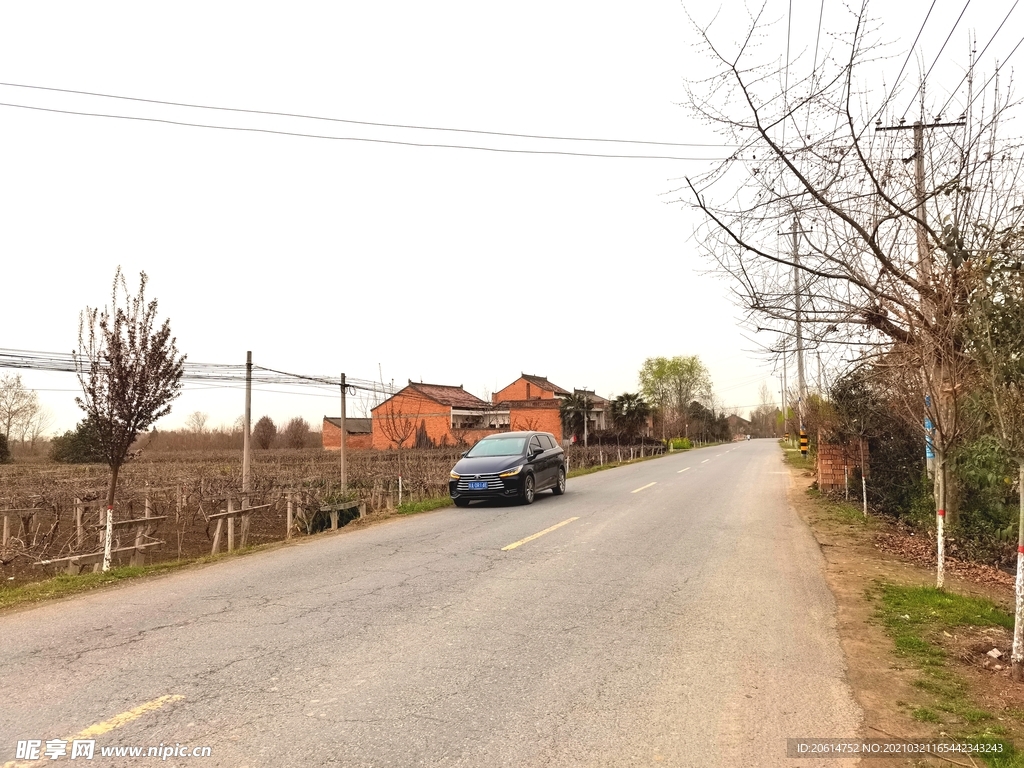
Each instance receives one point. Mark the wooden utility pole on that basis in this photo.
(247, 429)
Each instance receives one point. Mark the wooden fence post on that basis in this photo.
(291, 509)
(79, 527)
(7, 531)
(231, 526)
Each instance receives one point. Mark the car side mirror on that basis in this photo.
(463, 454)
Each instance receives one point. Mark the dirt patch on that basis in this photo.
(861, 554)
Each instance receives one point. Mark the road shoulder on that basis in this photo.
(889, 686)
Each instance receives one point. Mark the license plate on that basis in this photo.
(478, 485)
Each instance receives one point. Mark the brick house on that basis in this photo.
(423, 415)
(738, 426)
(359, 433)
(529, 387)
(600, 414)
(532, 403)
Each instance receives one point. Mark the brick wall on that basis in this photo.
(540, 415)
(833, 458)
(521, 389)
(405, 413)
(331, 441)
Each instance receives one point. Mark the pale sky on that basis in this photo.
(443, 265)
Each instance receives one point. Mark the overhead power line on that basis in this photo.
(64, 362)
(952, 94)
(936, 60)
(357, 122)
(357, 138)
(910, 53)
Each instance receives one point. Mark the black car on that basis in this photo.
(511, 465)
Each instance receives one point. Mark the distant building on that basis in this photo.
(359, 433)
(739, 426)
(530, 387)
(425, 415)
(533, 403)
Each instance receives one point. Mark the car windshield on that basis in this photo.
(498, 446)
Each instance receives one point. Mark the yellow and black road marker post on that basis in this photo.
(803, 443)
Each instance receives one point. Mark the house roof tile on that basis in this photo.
(543, 383)
(352, 426)
(452, 396)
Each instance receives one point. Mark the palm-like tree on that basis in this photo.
(630, 412)
(575, 411)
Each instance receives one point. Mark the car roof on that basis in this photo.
(516, 434)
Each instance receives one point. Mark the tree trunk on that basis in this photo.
(112, 488)
(108, 538)
(940, 515)
(1017, 653)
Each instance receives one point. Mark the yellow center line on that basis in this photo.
(644, 486)
(98, 729)
(538, 535)
(682, 470)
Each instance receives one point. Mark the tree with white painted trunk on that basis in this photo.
(887, 224)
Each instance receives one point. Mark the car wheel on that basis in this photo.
(529, 490)
(460, 502)
(559, 488)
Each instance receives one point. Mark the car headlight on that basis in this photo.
(511, 472)
(454, 475)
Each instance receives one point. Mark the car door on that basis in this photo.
(541, 470)
(552, 458)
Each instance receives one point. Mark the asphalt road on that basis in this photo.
(680, 618)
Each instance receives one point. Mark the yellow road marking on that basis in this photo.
(100, 728)
(124, 718)
(644, 486)
(682, 470)
(538, 535)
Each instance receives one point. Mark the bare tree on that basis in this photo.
(264, 432)
(130, 371)
(837, 232)
(37, 425)
(17, 405)
(196, 422)
(296, 433)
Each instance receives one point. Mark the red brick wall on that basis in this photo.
(331, 442)
(835, 459)
(517, 390)
(406, 412)
(524, 415)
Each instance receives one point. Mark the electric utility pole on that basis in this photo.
(785, 394)
(933, 374)
(248, 428)
(341, 442)
(799, 302)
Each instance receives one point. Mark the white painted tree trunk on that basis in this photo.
(108, 539)
(940, 518)
(1017, 652)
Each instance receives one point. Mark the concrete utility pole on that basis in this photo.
(785, 393)
(799, 301)
(933, 374)
(247, 430)
(341, 441)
